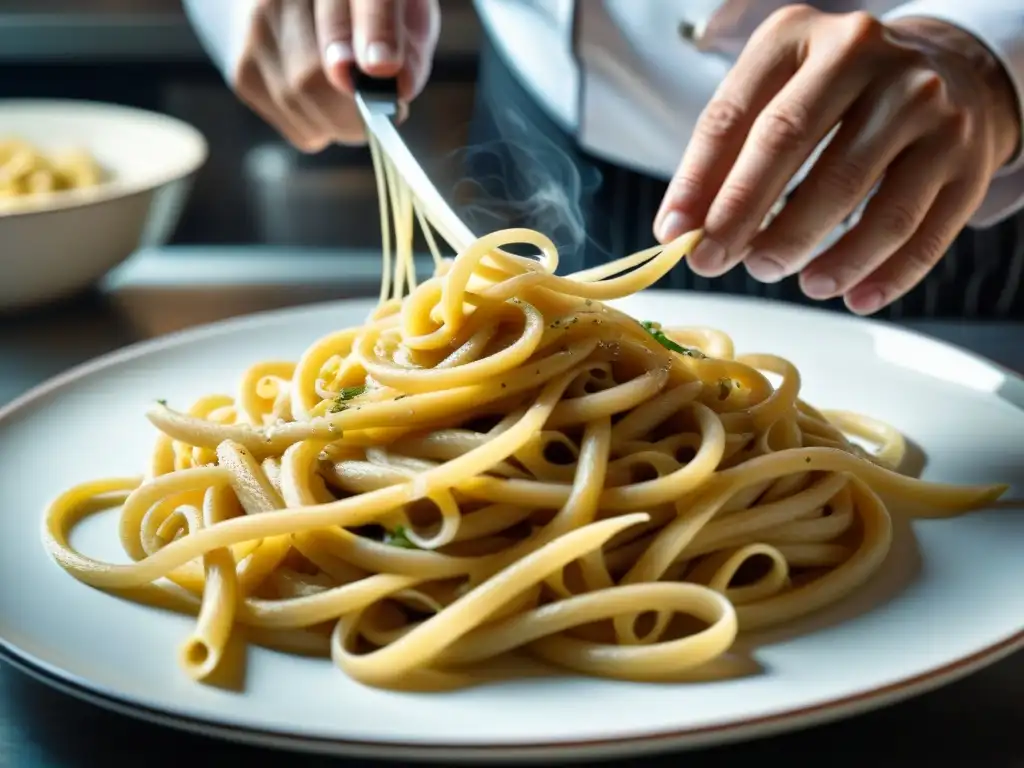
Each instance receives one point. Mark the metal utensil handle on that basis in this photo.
(374, 87)
(377, 101)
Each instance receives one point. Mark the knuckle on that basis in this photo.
(927, 88)
(931, 248)
(959, 124)
(684, 187)
(783, 129)
(860, 28)
(789, 14)
(261, 33)
(732, 203)
(919, 259)
(928, 95)
(305, 80)
(844, 178)
(247, 78)
(898, 221)
(289, 101)
(721, 118)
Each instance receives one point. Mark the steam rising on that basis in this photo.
(522, 179)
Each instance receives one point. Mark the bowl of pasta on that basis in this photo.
(82, 186)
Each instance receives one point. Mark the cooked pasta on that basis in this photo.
(497, 463)
(28, 174)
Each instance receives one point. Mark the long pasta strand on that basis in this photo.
(498, 462)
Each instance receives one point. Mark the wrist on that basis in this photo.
(974, 60)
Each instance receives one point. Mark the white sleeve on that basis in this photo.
(222, 27)
(999, 25)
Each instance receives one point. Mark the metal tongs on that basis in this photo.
(377, 100)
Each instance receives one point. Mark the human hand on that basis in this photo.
(296, 66)
(921, 106)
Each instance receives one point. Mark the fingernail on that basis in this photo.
(866, 302)
(672, 226)
(708, 256)
(764, 269)
(819, 286)
(379, 53)
(338, 52)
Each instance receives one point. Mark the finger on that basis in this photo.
(259, 78)
(253, 90)
(332, 114)
(781, 140)
(422, 29)
(882, 123)
(763, 67)
(891, 218)
(919, 255)
(333, 22)
(379, 36)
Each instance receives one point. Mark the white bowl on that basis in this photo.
(58, 244)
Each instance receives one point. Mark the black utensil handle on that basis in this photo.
(368, 85)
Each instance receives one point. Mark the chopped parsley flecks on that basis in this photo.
(346, 394)
(399, 538)
(565, 323)
(659, 336)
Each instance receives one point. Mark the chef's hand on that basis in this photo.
(296, 67)
(918, 101)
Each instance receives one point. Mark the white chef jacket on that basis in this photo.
(629, 78)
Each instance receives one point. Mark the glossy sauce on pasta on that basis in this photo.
(498, 462)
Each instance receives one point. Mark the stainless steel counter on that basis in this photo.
(974, 722)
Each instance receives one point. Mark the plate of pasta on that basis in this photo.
(506, 512)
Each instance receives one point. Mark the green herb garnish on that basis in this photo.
(659, 336)
(162, 402)
(399, 538)
(346, 394)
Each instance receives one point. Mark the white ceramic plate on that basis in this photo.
(945, 605)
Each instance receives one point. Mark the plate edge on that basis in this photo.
(714, 735)
(565, 751)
